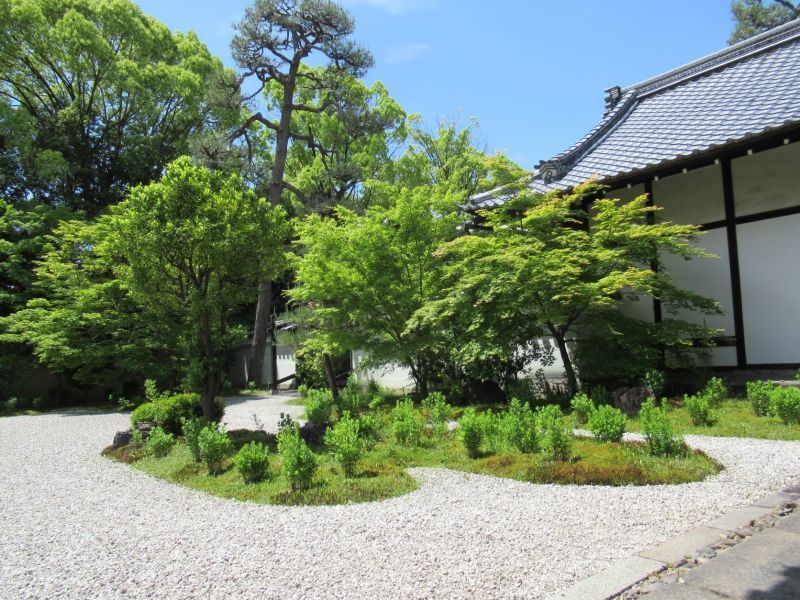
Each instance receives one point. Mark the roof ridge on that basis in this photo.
(744, 49)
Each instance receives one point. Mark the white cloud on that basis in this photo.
(394, 7)
(408, 52)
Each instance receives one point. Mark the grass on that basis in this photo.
(734, 418)
(381, 473)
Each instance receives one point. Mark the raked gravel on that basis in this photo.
(76, 525)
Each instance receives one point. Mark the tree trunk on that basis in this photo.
(258, 351)
(327, 363)
(569, 370)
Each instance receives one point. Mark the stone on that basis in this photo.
(144, 427)
(672, 551)
(313, 433)
(629, 400)
(122, 438)
(613, 581)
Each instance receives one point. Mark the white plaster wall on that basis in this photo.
(769, 252)
(767, 180)
(694, 197)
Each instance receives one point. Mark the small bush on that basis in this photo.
(715, 391)
(252, 461)
(407, 423)
(785, 404)
(607, 424)
(660, 439)
(215, 446)
(698, 407)
(350, 397)
(302, 389)
(493, 433)
(470, 431)
(160, 443)
(319, 405)
(168, 412)
(758, 395)
(519, 426)
(191, 429)
(369, 428)
(345, 441)
(654, 380)
(151, 393)
(438, 411)
(556, 438)
(144, 413)
(299, 462)
(582, 407)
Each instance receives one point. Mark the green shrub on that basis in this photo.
(302, 389)
(523, 389)
(319, 405)
(407, 423)
(369, 428)
(758, 395)
(785, 404)
(215, 446)
(607, 423)
(168, 412)
(160, 443)
(151, 393)
(470, 431)
(438, 411)
(345, 441)
(191, 429)
(698, 408)
(252, 461)
(299, 462)
(660, 439)
(715, 391)
(493, 433)
(350, 397)
(519, 426)
(582, 407)
(556, 438)
(654, 380)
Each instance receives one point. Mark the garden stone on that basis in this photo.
(144, 427)
(313, 433)
(122, 438)
(629, 400)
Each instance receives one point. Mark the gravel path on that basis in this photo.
(75, 525)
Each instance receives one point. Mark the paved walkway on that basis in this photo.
(766, 566)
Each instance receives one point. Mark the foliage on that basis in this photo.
(756, 16)
(191, 429)
(299, 462)
(470, 432)
(169, 411)
(493, 434)
(319, 405)
(215, 447)
(183, 239)
(369, 428)
(345, 441)
(758, 395)
(716, 391)
(538, 270)
(407, 423)
(785, 404)
(349, 399)
(557, 439)
(368, 275)
(438, 411)
(698, 407)
(252, 461)
(160, 443)
(582, 407)
(660, 439)
(101, 98)
(655, 381)
(607, 423)
(520, 427)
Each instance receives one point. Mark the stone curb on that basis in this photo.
(627, 572)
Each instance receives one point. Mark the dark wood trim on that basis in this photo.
(733, 261)
(751, 367)
(754, 218)
(651, 219)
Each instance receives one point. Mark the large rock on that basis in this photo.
(122, 438)
(313, 433)
(629, 400)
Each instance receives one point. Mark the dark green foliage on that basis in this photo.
(607, 423)
(215, 447)
(252, 460)
(299, 462)
(655, 380)
(758, 394)
(715, 391)
(699, 408)
(319, 405)
(407, 423)
(785, 404)
(557, 439)
(169, 412)
(520, 427)
(438, 411)
(756, 16)
(582, 407)
(471, 432)
(345, 441)
(659, 436)
(191, 429)
(160, 443)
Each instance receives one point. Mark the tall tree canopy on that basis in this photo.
(274, 43)
(752, 17)
(96, 97)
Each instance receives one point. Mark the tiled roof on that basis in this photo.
(737, 93)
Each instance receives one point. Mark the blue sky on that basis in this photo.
(531, 71)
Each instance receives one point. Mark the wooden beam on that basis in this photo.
(733, 261)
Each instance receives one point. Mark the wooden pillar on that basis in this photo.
(733, 261)
(651, 219)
